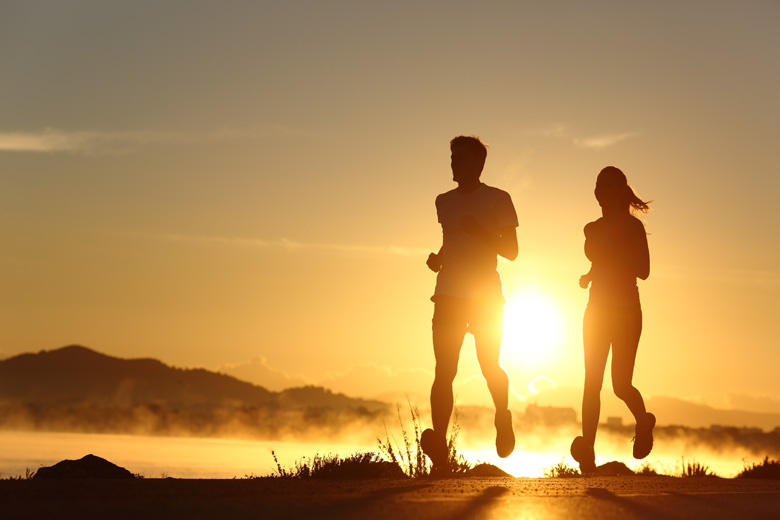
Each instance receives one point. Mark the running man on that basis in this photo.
(478, 222)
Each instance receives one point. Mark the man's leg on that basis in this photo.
(488, 351)
(449, 327)
(488, 325)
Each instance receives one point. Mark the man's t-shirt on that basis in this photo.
(468, 265)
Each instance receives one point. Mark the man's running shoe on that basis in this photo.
(505, 437)
(643, 442)
(435, 447)
(583, 453)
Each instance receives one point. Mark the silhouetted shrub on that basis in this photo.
(696, 469)
(647, 470)
(765, 469)
(357, 465)
(411, 459)
(560, 470)
(28, 475)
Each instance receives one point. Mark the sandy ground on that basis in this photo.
(377, 499)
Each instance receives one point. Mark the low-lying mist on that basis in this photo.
(539, 430)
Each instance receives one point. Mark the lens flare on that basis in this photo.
(533, 329)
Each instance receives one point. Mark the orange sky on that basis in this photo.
(209, 184)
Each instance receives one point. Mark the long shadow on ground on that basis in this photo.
(626, 503)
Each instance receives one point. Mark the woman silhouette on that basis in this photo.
(616, 245)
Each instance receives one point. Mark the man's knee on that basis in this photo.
(494, 373)
(445, 373)
(623, 390)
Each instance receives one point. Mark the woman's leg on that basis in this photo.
(624, 348)
(596, 340)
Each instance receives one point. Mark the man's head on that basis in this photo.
(468, 158)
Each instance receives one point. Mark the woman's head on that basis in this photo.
(613, 191)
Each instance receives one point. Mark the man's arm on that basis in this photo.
(434, 261)
(504, 243)
(507, 242)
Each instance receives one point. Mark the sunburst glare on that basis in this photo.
(533, 329)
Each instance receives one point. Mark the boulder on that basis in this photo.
(486, 470)
(612, 469)
(89, 466)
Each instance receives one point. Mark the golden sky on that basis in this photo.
(249, 186)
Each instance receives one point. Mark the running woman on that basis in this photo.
(616, 245)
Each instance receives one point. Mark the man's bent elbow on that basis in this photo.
(510, 255)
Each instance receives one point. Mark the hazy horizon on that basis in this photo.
(746, 413)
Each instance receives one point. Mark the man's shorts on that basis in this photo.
(478, 316)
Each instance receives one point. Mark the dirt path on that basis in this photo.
(478, 498)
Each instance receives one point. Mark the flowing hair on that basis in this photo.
(636, 205)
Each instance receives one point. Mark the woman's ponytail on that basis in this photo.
(635, 204)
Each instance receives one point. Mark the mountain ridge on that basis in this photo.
(78, 375)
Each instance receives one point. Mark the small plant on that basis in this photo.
(28, 475)
(410, 457)
(394, 461)
(695, 469)
(280, 471)
(765, 469)
(647, 470)
(413, 465)
(560, 470)
(457, 462)
(357, 465)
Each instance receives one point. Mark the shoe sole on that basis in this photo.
(505, 438)
(645, 444)
(433, 448)
(582, 454)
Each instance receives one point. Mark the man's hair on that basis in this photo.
(472, 144)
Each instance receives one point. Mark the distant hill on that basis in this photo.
(78, 375)
(75, 388)
(693, 415)
(668, 410)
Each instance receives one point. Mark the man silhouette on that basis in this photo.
(478, 222)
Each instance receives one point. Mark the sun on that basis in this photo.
(533, 329)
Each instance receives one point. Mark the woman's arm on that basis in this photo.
(590, 241)
(640, 249)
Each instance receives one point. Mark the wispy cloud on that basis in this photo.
(556, 130)
(603, 141)
(292, 245)
(595, 142)
(53, 140)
